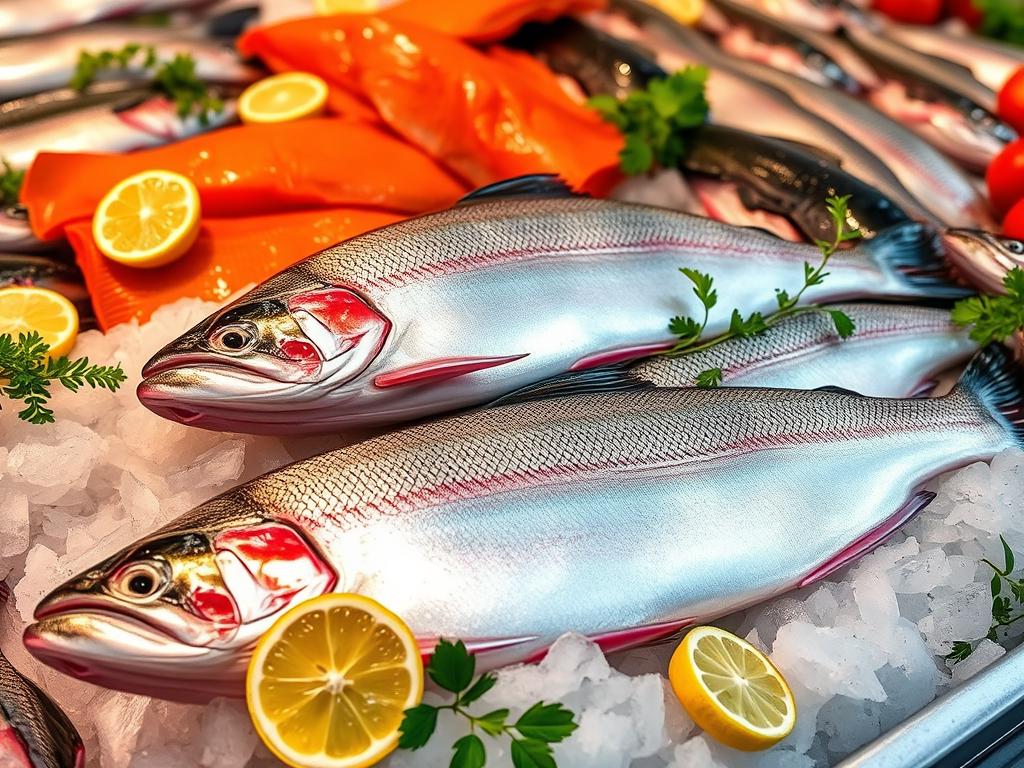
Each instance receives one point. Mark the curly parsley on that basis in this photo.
(994, 318)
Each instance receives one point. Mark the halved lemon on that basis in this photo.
(329, 682)
(27, 308)
(684, 11)
(148, 220)
(329, 7)
(282, 98)
(731, 689)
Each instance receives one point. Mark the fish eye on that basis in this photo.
(139, 581)
(234, 338)
(1015, 246)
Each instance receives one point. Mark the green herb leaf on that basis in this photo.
(11, 180)
(1017, 589)
(493, 723)
(684, 327)
(782, 298)
(710, 378)
(994, 318)
(546, 722)
(418, 725)
(469, 752)
(451, 666)
(996, 585)
(843, 323)
(1007, 556)
(1001, 609)
(703, 286)
(1002, 19)
(961, 650)
(654, 121)
(528, 753)
(27, 373)
(483, 684)
(745, 328)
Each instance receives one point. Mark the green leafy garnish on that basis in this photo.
(654, 120)
(11, 180)
(1003, 606)
(994, 318)
(689, 331)
(1002, 19)
(452, 668)
(27, 373)
(176, 78)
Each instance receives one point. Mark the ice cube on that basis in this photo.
(829, 661)
(220, 464)
(227, 737)
(694, 753)
(920, 573)
(985, 653)
(14, 522)
(961, 615)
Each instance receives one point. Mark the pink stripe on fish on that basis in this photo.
(439, 370)
(611, 356)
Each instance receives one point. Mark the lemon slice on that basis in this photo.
(329, 682)
(24, 309)
(328, 7)
(282, 98)
(731, 689)
(148, 220)
(684, 11)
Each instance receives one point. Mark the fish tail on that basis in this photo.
(996, 380)
(913, 254)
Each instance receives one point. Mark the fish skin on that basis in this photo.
(896, 351)
(41, 64)
(137, 120)
(929, 180)
(16, 234)
(976, 134)
(31, 17)
(50, 272)
(528, 514)
(982, 257)
(436, 288)
(34, 732)
(773, 175)
(991, 62)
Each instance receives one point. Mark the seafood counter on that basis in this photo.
(540, 384)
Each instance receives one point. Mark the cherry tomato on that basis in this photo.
(1011, 101)
(966, 10)
(1005, 177)
(911, 11)
(1013, 224)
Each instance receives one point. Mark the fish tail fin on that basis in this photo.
(996, 380)
(913, 254)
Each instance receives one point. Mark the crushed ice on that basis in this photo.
(862, 651)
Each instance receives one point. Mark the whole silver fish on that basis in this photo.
(822, 58)
(32, 17)
(114, 121)
(42, 64)
(618, 515)
(793, 108)
(990, 61)
(939, 101)
(457, 308)
(983, 258)
(895, 352)
(734, 96)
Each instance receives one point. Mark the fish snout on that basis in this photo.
(980, 257)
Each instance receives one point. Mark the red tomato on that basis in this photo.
(1013, 224)
(1011, 101)
(1005, 177)
(911, 11)
(966, 10)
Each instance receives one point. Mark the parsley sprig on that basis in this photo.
(452, 667)
(654, 120)
(994, 318)
(11, 179)
(689, 331)
(26, 374)
(1003, 614)
(1002, 19)
(176, 78)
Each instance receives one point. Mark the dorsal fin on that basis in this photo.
(612, 378)
(533, 185)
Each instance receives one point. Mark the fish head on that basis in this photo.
(277, 350)
(973, 134)
(177, 614)
(982, 257)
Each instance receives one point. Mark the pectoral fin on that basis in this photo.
(440, 370)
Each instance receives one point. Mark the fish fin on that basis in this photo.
(532, 185)
(871, 539)
(439, 370)
(813, 149)
(839, 390)
(914, 254)
(613, 378)
(997, 381)
(630, 638)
